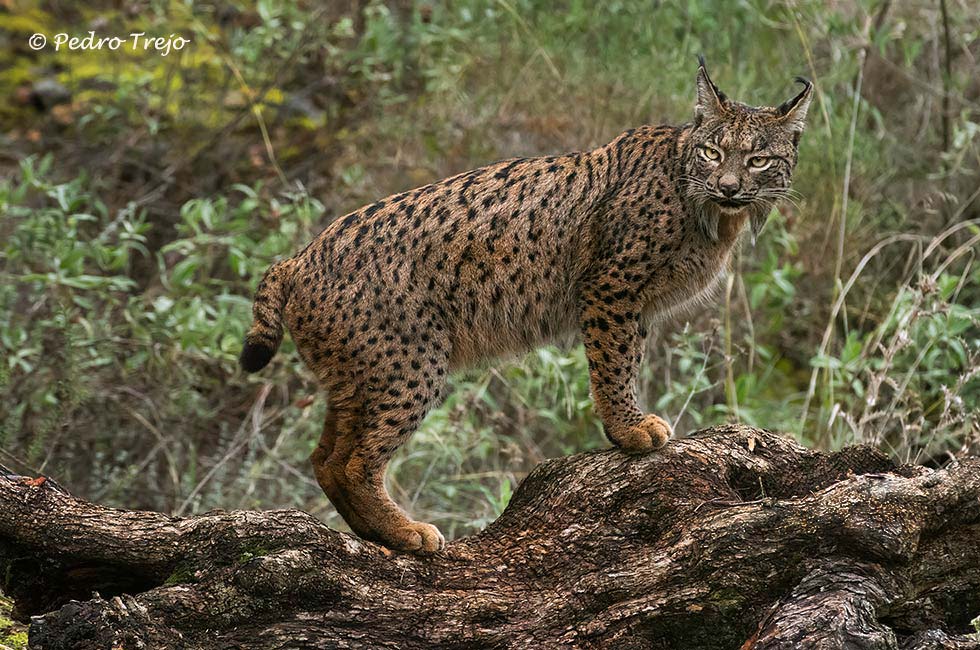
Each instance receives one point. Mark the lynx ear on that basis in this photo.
(792, 112)
(711, 101)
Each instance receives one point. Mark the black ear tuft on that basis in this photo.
(711, 101)
(790, 104)
(703, 74)
(792, 112)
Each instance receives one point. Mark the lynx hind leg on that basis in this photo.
(359, 440)
(325, 469)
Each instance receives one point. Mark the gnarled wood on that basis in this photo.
(733, 537)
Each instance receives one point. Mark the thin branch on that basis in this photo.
(947, 77)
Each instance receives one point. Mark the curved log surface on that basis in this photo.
(732, 538)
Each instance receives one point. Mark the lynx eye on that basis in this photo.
(711, 154)
(759, 162)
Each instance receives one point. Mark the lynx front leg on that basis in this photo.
(613, 346)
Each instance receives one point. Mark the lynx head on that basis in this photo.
(740, 157)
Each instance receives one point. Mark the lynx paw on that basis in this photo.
(416, 537)
(651, 433)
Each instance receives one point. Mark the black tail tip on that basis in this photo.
(255, 356)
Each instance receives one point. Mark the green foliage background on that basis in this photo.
(143, 196)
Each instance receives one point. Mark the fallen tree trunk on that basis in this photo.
(732, 538)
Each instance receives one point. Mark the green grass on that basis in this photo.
(13, 636)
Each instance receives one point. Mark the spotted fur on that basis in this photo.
(390, 299)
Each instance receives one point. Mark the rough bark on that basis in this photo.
(735, 537)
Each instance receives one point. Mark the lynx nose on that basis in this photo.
(729, 185)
